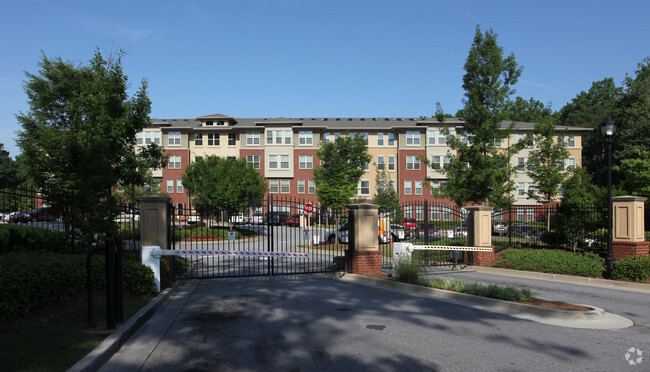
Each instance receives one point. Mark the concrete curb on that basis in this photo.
(504, 306)
(111, 344)
(594, 282)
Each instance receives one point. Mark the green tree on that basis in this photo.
(635, 172)
(226, 184)
(77, 138)
(544, 164)
(588, 110)
(342, 163)
(481, 172)
(8, 170)
(531, 111)
(386, 196)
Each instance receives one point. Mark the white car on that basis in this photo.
(239, 218)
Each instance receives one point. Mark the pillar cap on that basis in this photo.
(363, 206)
(154, 198)
(479, 208)
(629, 198)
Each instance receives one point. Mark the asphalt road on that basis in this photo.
(304, 323)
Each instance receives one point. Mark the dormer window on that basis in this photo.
(221, 122)
(209, 122)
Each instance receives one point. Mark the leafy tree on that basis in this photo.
(636, 173)
(386, 196)
(342, 163)
(8, 169)
(531, 111)
(544, 163)
(588, 110)
(481, 172)
(77, 138)
(224, 183)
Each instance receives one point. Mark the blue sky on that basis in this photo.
(310, 58)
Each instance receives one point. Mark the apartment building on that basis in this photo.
(284, 151)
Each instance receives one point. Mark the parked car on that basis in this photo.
(411, 224)
(238, 218)
(431, 230)
(42, 214)
(398, 232)
(4, 217)
(460, 231)
(276, 218)
(524, 231)
(342, 233)
(124, 217)
(293, 220)
(499, 228)
(20, 217)
(257, 219)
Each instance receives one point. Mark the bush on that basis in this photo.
(635, 268)
(553, 261)
(29, 280)
(15, 238)
(408, 269)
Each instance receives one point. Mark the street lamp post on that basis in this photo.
(608, 128)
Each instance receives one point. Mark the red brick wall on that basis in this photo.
(176, 174)
(367, 263)
(411, 175)
(626, 249)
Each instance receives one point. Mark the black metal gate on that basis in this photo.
(236, 240)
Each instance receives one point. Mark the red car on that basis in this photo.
(294, 220)
(410, 224)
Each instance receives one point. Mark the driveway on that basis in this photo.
(303, 323)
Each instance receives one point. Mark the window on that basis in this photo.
(418, 188)
(407, 188)
(520, 214)
(252, 138)
(435, 160)
(521, 191)
(269, 137)
(326, 137)
(380, 163)
(446, 213)
(197, 158)
(521, 164)
(418, 212)
(287, 137)
(213, 139)
(198, 139)
(408, 211)
(446, 162)
(274, 186)
(391, 163)
(497, 142)
(571, 141)
(531, 189)
(232, 139)
(179, 186)
(140, 138)
(174, 162)
(380, 139)
(306, 162)
(221, 122)
(571, 163)
(301, 186)
(412, 138)
(520, 137)
(391, 139)
(441, 138)
(312, 187)
(273, 162)
(156, 138)
(305, 137)
(435, 213)
(530, 214)
(285, 187)
(364, 187)
(174, 139)
(464, 138)
(412, 163)
(253, 160)
(170, 186)
(284, 161)
(432, 137)
(278, 137)
(435, 187)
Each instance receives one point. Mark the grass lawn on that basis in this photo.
(57, 336)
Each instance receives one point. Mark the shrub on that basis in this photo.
(553, 261)
(491, 291)
(408, 269)
(635, 268)
(16, 238)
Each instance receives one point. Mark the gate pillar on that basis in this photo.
(154, 228)
(629, 227)
(481, 234)
(363, 239)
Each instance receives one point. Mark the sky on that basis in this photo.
(319, 58)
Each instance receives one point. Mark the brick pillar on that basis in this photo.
(366, 256)
(481, 235)
(629, 227)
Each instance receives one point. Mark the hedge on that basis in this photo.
(16, 238)
(635, 268)
(553, 261)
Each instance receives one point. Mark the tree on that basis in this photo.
(588, 110)
(8, 170)
(385, 196)
(636, 173)
(77, 138)
(544, 163)
(481, 172)
(342, 163)
(226, 184)
(531, 111)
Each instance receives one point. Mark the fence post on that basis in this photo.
(482, 234)
(629, 227)
(154, 227)
(364, 239)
